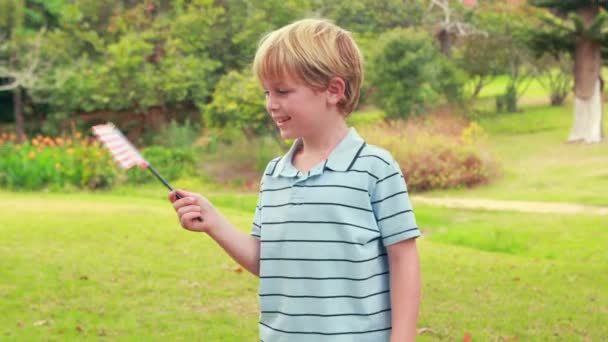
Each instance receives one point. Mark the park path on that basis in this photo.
(520, 206)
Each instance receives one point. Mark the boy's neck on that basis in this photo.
(319, 146)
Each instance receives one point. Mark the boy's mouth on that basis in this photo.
(282, 119)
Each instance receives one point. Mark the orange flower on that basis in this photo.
(35, 142)
(70, 150)
(59, 141)
(32, 155)
(58, 166)
(77, 135)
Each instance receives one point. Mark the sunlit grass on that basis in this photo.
(95, 266)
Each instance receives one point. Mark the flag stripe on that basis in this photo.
(123, 152)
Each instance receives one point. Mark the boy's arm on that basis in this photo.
(405, 289)
(197, 214)
(243, 248)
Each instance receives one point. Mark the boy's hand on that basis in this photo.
(194, 211)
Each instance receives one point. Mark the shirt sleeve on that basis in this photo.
(392, 207)
(256, 226)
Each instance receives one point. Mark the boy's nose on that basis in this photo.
(271, 105)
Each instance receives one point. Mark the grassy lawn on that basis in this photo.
(116, 266)
(90, 267)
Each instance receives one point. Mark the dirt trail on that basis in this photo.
(521, 206)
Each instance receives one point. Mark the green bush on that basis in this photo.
(431, 159)
(241, 160)
(409, 73)
(176, 135)
(238, 102)
(170, 163)
(55, 163)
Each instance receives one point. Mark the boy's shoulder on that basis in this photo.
(378, 153)
(271, 166)
(376, 159)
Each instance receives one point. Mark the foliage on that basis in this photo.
(512, 35)
(555, 76)
(240, 160)
(370, 16)
(408, 74)
(56, 163)
(170, 163)
(432, 156)
(568, 5)
(238, 102)
(482, 58)
(77, 162)
(176, 135)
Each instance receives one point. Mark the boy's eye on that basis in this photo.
(282, 91)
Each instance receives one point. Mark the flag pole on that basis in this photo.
(161, 179)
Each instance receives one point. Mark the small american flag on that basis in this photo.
(123, 152)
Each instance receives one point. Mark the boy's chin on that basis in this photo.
(287, 134)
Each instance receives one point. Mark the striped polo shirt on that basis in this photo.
(323, 233)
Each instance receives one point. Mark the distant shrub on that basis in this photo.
(171, 163)
(176, 135)
(240, 161)
(408, 74)
(432, 158)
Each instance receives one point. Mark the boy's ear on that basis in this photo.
(335, 90)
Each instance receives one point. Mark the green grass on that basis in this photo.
(91, 266)
(498, 85)
(116, 266)
(102, 266)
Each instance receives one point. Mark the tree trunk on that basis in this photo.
(18, 110)
(588, 98)
(445, 43)
(588, 118)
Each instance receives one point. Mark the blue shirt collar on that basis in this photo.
(341, 158)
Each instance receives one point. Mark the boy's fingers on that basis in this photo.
(189, 217)
(183, 202)
(183, 193)
(189, 209)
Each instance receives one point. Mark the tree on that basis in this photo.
(555, 76)
(409, 73)
(23, 23)
(509, 28)
(578, 27)
(372, 16)
(481, 57)
(238, 102)
(452, 21)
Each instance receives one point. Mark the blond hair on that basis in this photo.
(313, 51)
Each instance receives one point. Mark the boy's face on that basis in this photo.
(298, 110)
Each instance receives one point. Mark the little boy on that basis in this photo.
(333, 237)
